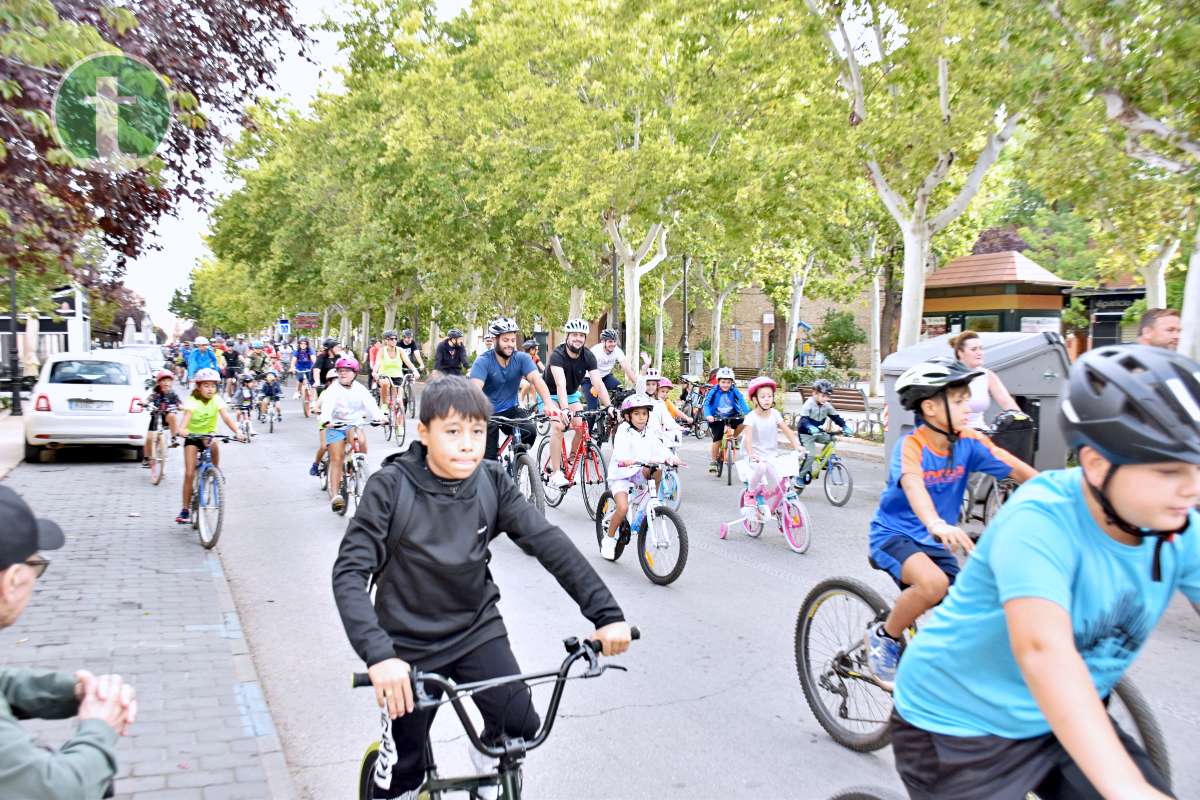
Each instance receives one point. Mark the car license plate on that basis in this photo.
(90, 405)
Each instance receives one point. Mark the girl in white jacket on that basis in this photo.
(633, 446)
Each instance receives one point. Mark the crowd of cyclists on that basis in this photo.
(1060, 593)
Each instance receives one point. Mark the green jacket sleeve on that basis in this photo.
(82, 769)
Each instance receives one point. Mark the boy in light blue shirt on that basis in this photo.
(1011, 674)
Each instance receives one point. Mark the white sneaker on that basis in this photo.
(484, 764)
(558, 480)
(608, 548)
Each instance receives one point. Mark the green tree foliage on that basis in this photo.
(837, 337)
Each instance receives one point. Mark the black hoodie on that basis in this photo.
(436, 600)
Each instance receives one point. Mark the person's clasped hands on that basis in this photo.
(106, 698)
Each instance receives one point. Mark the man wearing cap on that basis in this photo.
(201, 357)
(84, 767)
(451, 356)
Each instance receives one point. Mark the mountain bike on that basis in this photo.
(783, 506)
(584, 459)
(839, 483)
(727, 455)
(159, 444)
(354, 465)
(520, 466)
(662, 535)
(394, 424)
(430, 691)
(854, 707)
(208, 494)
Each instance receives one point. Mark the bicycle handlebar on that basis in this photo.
(342, 425)
(455, 693)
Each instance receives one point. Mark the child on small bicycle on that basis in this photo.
(345, 401)
(911, 537)
(723, 406)
(1012, 672)
(421, 536)
(664, 419)
(760, 444)
(270, 393)
(201, 409)
(816, 410)
(634, 444)
(162, 398)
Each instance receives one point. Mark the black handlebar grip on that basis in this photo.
(361, 680)
(634, 634)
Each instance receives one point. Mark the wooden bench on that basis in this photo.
(745, 374)
(843, 399)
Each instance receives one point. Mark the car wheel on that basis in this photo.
(33, 453)
(138, 453)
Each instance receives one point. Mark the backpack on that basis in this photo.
(403, 503)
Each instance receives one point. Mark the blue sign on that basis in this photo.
(285, 327)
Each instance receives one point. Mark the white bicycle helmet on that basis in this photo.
(577, 326)
(725, 372)
(652, 374)
(206, 374)
(503, 325)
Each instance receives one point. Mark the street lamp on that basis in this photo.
(684, 355)
(616, 298)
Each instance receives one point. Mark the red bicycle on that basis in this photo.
(583, 461)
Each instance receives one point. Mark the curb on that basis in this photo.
(874, 455)
(251, 699)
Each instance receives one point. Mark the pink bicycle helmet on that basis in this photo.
(206, 374)
(636, 401)
(163, 373)
(758, 383)
(346, 363)
(665, 383)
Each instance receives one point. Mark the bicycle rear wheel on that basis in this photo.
(323, 469)
(359, 482)
(672, 495)
(662, 546)
(839, 483)
(831, 659)
(593, 478)
(271, 421)
(605, 507)
(210, 506)
(730, 458)
(409, 405)
(867, 793)
(554, 494)
(525, 471)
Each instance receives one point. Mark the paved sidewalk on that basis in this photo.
(12, 441)
(135, 594)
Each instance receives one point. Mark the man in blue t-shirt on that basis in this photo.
(914, 531)
(499, 372)
(1003, 691)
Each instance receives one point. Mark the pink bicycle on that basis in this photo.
(782, 505)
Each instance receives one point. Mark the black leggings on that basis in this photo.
(507, 712)
(526, 429)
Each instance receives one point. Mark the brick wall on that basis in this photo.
(744, 312)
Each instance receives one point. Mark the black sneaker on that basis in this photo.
(184, 517)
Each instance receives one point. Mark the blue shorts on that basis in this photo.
(574, 397)
(334, 435)
(890, 555)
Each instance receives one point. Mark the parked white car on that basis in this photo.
(88, 399)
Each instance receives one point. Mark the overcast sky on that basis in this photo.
(157, 274)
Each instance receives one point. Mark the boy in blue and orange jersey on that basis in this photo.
(911, 538)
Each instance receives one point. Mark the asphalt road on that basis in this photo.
(711, 705)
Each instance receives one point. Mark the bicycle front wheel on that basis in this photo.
(672, 495)
(730, 458)
(158, 466)
(528, 483)
(594, 479)
(359, 481)
(662, 546)
(366, 773)
(554, 494)
(210, 507)
(839, 483)
(831, 659)
(796, 525)
(409, 405)
(1129, 708)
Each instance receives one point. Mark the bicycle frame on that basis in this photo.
(575, 460)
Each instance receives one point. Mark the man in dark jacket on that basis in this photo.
(85, 766)
(451, 356)
(422, 532)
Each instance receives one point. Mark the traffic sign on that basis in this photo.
(306, 319)
(285, 327)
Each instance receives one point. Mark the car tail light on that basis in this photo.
(135, 406)
(42, 403)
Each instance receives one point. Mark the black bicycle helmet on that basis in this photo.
(406, 333)
(454, 333)
(328, 343)
(608, 333)
(1134, 404)
(823, 386)
(529, 344)
(389, 334)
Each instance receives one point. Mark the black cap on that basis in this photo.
(21, 533)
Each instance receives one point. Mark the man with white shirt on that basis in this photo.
(608, 355)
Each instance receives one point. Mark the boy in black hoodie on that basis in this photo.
(422, 531)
